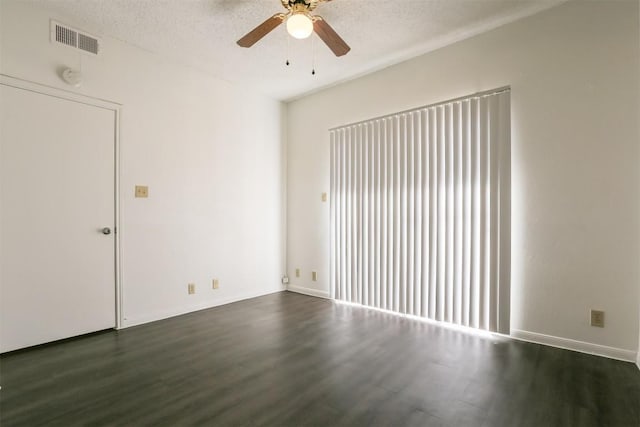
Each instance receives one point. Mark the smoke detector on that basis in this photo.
(72, 77)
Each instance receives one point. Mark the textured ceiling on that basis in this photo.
(202, 34)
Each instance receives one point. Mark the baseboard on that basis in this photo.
(581, 346)
(308, 291)
(161, 315)
(638, 359)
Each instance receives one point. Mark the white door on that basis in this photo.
(57, 170)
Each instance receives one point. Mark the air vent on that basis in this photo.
(72, 37)
(66, 36)
(87, 43)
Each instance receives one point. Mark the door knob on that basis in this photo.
(106, 230)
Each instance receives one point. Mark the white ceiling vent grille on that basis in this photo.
(72, 37)
(87, 43)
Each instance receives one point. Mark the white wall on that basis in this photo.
(210, 152)
(638, 354)
(574, 73)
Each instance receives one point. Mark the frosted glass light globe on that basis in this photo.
(299, 26)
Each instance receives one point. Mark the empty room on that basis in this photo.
(320, 213)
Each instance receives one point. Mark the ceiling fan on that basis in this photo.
(300, 24)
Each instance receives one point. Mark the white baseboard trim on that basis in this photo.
(161, 315)
(580, 346)
(308, 291)
(638, 359)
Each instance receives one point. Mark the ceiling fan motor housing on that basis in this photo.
(304, 3)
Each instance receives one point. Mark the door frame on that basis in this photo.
(27, 85)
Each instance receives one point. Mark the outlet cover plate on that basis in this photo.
(142, 191)
(597, 318)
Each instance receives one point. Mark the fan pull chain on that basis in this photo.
(288, 38)
(313, 57)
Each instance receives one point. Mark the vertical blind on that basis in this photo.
(420, 212)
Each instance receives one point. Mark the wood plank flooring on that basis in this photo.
(291, 360)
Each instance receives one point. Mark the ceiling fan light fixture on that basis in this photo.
(299, 25)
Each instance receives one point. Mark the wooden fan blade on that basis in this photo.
(261, 30)
(330, 37)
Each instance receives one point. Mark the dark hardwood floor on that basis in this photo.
(292, 360)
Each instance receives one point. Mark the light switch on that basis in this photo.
(324, 197)
(142, 191)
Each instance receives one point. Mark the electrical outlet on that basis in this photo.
(191, 288)
(297, 272)
(142, 191)
(597, 318)
(314, 276)
(215, 284)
